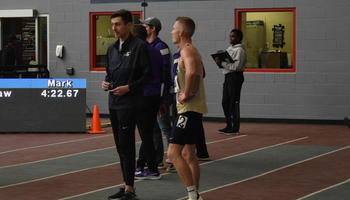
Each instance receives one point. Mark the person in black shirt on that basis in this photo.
(347, 121)
(8, 53)
(128, 71)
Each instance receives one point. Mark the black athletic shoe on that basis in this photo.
(347, 121)
(231, 132)
(117, 195)
(224, 129)
(129, 196)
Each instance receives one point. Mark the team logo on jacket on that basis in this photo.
(181, 122)
(127, 53)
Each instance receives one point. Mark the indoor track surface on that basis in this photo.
(266, 161)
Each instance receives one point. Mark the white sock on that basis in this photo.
(192, 192)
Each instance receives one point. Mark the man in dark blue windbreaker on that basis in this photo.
(128, 72)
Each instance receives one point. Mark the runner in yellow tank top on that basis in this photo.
(191, 105)
(192, 99)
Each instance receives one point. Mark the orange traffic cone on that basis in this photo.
(96, 123)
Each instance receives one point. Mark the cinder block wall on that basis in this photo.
(318, 90)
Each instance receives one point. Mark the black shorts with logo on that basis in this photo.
(186, 128)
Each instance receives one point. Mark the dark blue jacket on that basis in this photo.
(8, 56)
(130, 66)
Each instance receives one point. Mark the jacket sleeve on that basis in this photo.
(3, 56)
(108, 77)
(164, 50)
(239, 58)
(145, 68)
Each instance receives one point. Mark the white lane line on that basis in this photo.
(82, 194)
(330, 187)
(234, 183)
(91, 151)
(107, 188)
(58, 175)
(230, 138)
(208, 162)
(66, 142)
(76, 170)
(56, 157)
(53, 144)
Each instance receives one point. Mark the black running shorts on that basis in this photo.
(186, 128)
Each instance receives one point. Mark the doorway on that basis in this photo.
(32, 32)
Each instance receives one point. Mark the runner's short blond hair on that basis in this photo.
(188, 25)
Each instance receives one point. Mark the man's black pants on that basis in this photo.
(123, 125)
(231, 97)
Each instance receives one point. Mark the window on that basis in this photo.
(32, 32)
(101, 36)
(42, 41)
(269, 38)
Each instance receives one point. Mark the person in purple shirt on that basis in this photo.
(347, 121)
(148, 113)
(163, 123)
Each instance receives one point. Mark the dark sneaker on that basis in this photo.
(203, 159)
(146, 174)
(347, 121)
(199, 198)
(139, 170)
(160, 165)
(231, 132)
(171, 169)
(224, 129)
(117, 195)
(129, 196)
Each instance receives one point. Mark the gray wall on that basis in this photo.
(318, 90)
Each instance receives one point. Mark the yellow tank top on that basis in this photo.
(198, 103)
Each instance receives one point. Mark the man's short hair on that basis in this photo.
(124, 14)
(189, 25)
(238, 33)
(140, 32)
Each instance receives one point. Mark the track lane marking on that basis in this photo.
(48, 177)
(66, 142)
(81, 169)
(53, 144)
(91, 151)
(208, 162)
(59, 157)
(230, 138)
(107, 188)
(82, 194)
(330, 187)
(263, 174)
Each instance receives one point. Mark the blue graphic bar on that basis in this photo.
(42, 83)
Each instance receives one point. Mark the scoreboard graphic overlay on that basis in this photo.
(42, 105)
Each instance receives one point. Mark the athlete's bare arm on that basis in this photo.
(191, 60)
